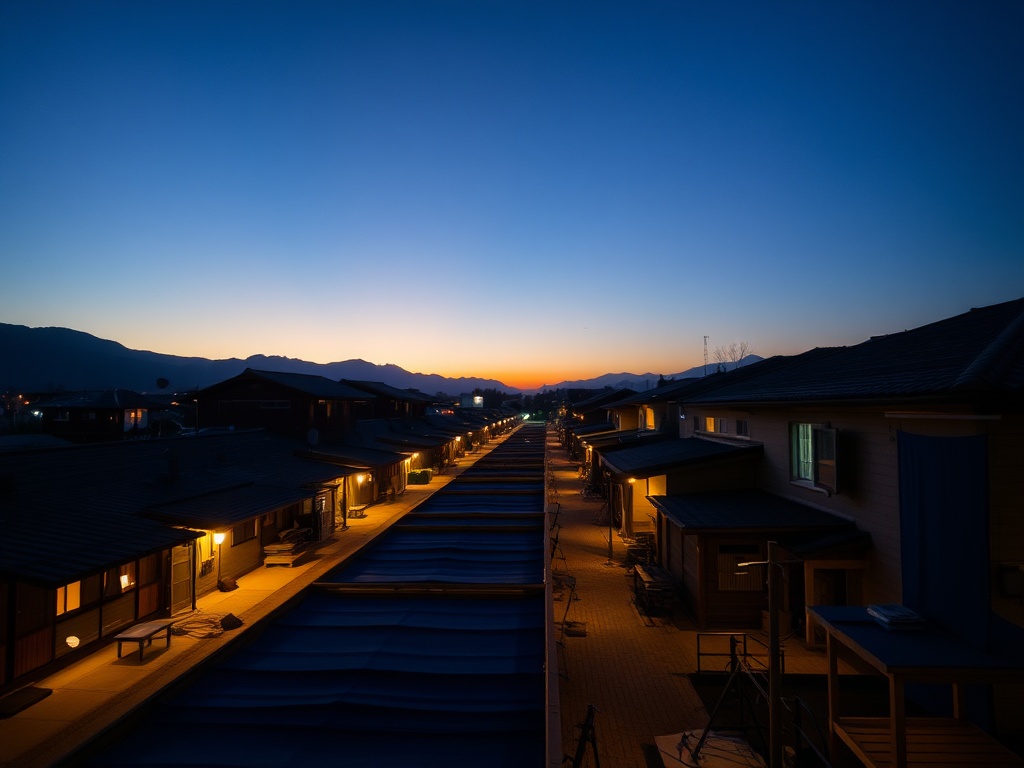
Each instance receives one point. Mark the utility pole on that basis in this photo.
(705, 355)
(774, 661)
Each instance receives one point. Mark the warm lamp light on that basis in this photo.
(218, 539)
(72, 641)
(632, 480)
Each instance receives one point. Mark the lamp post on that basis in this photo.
(218, 539)
(774, 656)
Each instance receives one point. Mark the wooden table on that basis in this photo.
(143, 634)
(928, 654)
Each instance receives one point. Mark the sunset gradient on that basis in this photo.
(531, 192)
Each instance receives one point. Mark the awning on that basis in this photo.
(804, 531)
(228, 507)
(657, 458)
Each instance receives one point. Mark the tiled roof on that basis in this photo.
(85, 506)
(611, 440)
(660, 394)
(386, 390)
(227, 507)
(657, 457)
(357, 456)
(600, 399)
(43, 547)
(591, 429)
(747, 509)
(385, 433)
(317, 386)
(106, 400)
(976, 354)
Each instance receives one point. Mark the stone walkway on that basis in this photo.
(632, 668)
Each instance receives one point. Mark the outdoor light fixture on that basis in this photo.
(359, 479)
(72, 641)
(631, 480)
(218, 539)
(774, 568)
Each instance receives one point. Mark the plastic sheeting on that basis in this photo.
(354, 679)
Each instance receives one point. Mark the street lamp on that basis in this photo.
(774, 656)
(218, 539)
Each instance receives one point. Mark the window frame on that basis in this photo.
(729, 556)
(245, 531)
(813, 459)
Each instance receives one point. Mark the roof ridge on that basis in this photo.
(993, 355)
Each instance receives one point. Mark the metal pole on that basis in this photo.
(774, 665)
(611, 521)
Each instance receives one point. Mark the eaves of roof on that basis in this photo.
(624, 438)
(663, 456)
(110, 399)
(77, 545)
(600, 399)
(356, 456)
(978, 355)
(662, 394)
(751, 510)
(386, 390)
(412, 442)
(591, 429)
(229, 507)
(805, 532)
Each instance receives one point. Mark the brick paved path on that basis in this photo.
(630, 667)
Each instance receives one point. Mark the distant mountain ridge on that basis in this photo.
(54, 359)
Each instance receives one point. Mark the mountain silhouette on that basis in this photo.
(61, 359)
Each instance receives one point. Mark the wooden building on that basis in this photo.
(98, 537)
(86, 417)
(300, 405)
(914, 439)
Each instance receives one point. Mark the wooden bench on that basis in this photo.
(286, 558)
(357, 510)
(143, 634)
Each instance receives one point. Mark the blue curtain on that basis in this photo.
(944, 531)
(945, 546)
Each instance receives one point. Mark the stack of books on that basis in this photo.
(893, 616)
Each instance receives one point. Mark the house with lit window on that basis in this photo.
(391, 402)
(97, 537)
(83, 417)
(297, 404)
(911, 439)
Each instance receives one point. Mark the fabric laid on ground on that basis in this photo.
(359, 675)
(464, 557)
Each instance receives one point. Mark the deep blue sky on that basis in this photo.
(529, 191)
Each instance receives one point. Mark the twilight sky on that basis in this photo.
(525, 191)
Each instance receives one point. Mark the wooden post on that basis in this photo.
(775, 751)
